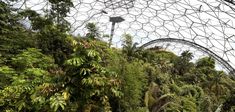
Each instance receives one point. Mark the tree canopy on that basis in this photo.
(44, 68)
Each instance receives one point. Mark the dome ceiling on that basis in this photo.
(208, 23)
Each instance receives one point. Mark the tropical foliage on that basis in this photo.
(44, 68)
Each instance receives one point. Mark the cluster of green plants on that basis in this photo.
(45, 68)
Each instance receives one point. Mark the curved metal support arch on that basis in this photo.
(224, 63)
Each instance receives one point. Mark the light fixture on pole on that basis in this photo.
(114, 20)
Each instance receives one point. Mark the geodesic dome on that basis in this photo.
(205, 27)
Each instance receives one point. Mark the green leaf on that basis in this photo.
(57, 101)
(36, 72)
(92, 53)
(78, 61)
(6, 70)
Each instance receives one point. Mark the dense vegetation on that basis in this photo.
(44, 68)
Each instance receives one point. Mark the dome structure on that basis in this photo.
(205, 27)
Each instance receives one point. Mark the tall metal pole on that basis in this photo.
(111, 34)
(114, 20)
